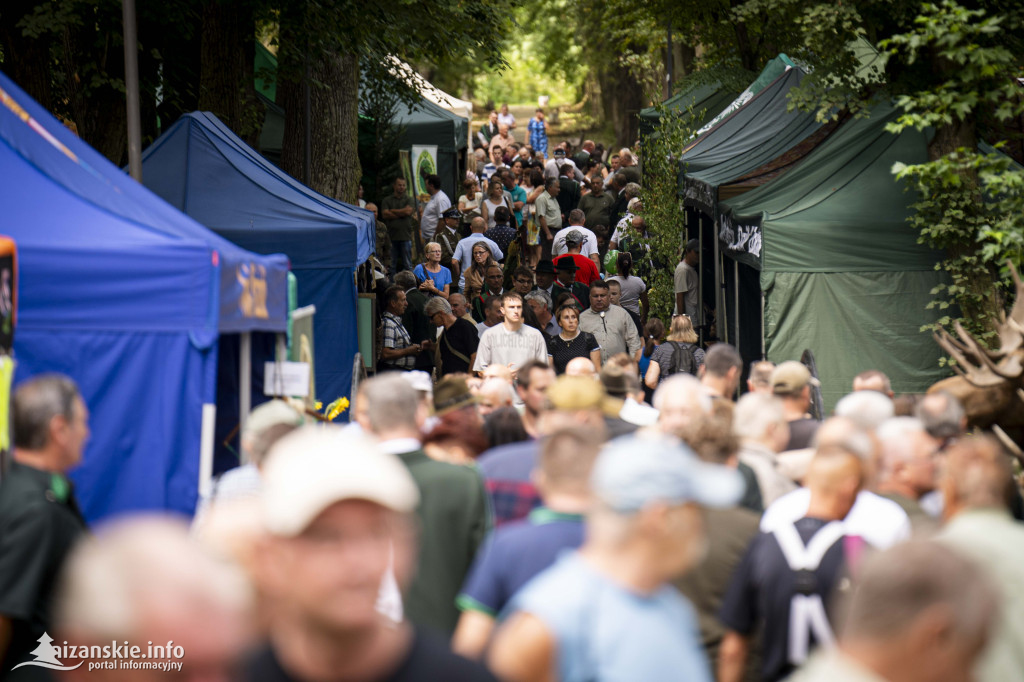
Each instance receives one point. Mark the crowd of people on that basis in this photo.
(522, 525)
(541, 482)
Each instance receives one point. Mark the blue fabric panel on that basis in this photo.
(145, 393)
(36, 141)
(336, 342)
(226, 451)
(203, 169)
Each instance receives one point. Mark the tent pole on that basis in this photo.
(763, 355)
(736, 301)
(244, 383)
(282, 348)
(206, 450)
(700, 277)
(131, 85)
(718, 290)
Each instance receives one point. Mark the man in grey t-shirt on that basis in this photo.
(687, 282)
(510, 343)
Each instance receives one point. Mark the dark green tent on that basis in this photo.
(825, 251)
(705, 101)
(754, 134)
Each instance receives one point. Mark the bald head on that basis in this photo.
(873, 380)
(478, 224)
(834, 478)
(977, 476)
(680, 400)
(580, 367)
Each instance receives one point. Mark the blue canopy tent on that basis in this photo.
(128, 297)
(203, 169)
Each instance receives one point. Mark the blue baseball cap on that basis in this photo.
(634, 472)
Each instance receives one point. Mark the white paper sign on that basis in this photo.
(286, 379)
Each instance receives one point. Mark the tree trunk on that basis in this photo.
(26, 60)
(98, 108)
(226, 81)
(981, 282)
(334, 119)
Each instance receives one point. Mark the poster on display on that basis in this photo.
(405, 162)
(424, 163)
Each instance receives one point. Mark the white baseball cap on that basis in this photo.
(312, 468)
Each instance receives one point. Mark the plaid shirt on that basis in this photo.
(396, 336)
(511, 500)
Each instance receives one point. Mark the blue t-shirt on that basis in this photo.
(514, 554)
(441, 278)
(606, 632)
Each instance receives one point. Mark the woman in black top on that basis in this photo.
(571, 342)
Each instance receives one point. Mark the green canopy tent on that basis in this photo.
(823, 258)
(705, 100)
(425, 124)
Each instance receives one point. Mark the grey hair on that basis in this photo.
(755, 413)
(391, 403)
(632, 189)
(941, 413)
(405, 279)
(34, 405)
(846, 434)
(540, 295)
(898, 585)
(897, 438)
(119, 575)
(437, 305)
(868, 408)
(686, 384)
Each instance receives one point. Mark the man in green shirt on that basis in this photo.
(597, 206)
(397, 211)
(453, 512)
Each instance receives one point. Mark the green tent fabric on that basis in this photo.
(840, 268)
(755, 134)
(769, 74)
(706, 101)
(426, 124)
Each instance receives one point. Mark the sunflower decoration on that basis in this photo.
(334, 410)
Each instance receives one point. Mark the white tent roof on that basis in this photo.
(459, 107)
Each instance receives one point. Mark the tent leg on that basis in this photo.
(719, 329)
(282, 348)
(700, 277)
(763, 355)
(736, 301)
(206, 450)
(244, 383)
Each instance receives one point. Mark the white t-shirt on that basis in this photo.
(881, 522)
(464, 254)
(507, 119)
(624, 224)
(589, 247)
(631, 290)
(686, 283)
(499, 346)
(553, 168)
(438, 204)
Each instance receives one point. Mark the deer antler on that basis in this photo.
(981, 377)
(1008, 366)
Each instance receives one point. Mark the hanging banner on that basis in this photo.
(424, 163)
(405, 162)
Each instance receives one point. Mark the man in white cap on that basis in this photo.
(606, 611)
(339, 512)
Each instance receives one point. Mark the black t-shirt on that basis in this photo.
(801, 433)
(428, 660)
(762, 589)
(462, 337)
(563, 351)
(39, 524)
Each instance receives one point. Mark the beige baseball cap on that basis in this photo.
(791, 376)
(312, 468)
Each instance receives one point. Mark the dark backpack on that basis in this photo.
(682, 359)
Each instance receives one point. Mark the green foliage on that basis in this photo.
(662, 202)
(972, 203)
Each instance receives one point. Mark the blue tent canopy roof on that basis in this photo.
(203, 169)
(98, 209)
